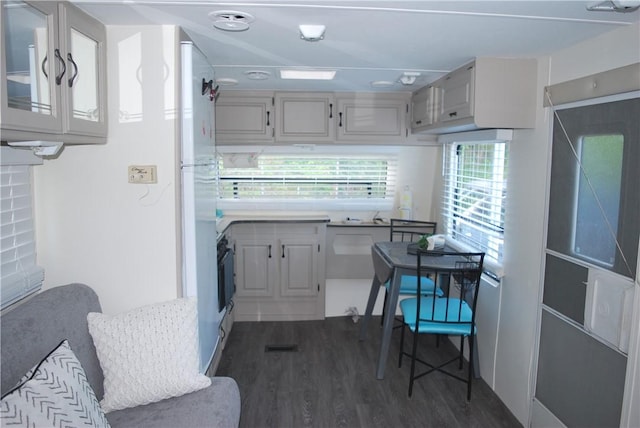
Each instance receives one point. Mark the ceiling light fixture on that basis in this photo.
(257, 75)
(382, 83)
(409, 77)
(226, 81)
(308, 74)
(311, 33)
(231, 20)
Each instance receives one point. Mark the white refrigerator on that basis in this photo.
(198, 166)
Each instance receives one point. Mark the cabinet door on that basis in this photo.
(83, 42)
(372, 119)
(244, 119)
(458, 95)
(255, 268)
(304, 117)
(299, 267)
(424, 104)
(30, 66)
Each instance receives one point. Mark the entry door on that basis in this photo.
(591, 263)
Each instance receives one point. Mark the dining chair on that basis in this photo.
(452, 314)
(410, 231)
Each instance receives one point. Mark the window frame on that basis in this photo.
(313, 204)
(493, 264)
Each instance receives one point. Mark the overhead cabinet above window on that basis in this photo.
(53, 73)
(257, 117)
(486, 93)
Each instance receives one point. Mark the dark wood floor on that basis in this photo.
(330, 381)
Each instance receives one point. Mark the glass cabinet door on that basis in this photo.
(30, 67)
(84, 84)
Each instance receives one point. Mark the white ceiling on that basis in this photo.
(368, 40)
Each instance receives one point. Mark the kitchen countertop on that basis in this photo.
(224, 222)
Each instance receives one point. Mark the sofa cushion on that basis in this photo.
(148, 354)
(55, 392)
(215, 406)
(32, 328)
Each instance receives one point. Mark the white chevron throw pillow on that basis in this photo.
(55, 393)
(148, 354)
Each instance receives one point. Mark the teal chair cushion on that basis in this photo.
(440, 315)
(409, 285)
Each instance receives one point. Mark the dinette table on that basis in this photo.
(391, 260)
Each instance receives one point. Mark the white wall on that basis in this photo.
(92, 225)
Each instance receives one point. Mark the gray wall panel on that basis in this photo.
(564, 288)
(579, 379)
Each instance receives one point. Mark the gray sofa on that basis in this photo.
(32, 329)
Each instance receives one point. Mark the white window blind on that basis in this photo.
(308, 177)
(20, 275)
(474, 195)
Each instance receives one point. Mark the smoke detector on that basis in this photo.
(231, 20)
(409, 77)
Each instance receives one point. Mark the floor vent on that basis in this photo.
(281, 348)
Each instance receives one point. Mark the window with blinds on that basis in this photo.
(20, 274)
(474, 196)
(308, 177)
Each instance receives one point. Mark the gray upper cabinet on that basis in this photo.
(424, 104)
(245, 117)
(486, 93)
(370, 118)
(305, 117)
(53, 73)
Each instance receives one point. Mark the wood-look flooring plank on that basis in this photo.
(330, 381)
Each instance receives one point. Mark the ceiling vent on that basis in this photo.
(231, 20)
(257, 75)
(623, 6)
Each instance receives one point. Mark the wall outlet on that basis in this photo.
(145, 174)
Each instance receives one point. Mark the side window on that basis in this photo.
(596, 219)
(474, 196)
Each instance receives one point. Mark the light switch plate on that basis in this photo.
(144, 174)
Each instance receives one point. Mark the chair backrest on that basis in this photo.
(458, 275)
(411, 230)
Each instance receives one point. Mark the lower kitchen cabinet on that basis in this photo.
(279, 270)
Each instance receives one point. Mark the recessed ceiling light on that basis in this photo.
(257, 75)
(308, 74)
(231, 20)
(226, 81)
(382, 83)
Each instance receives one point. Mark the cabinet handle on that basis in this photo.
(268, 121)
(75, 69)
(330, 111)
(418, 122)
(340, 122)
(269, 250)
(44, 67)
(453, 114)
(64, 66)
(283, 251)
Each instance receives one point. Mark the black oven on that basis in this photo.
(226, 283)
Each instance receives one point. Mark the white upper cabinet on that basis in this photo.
(245, 118)
(424, 107)
(370, 118)
(305, 117)
(53, 73)
(486, 93)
